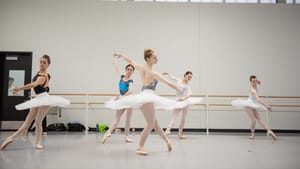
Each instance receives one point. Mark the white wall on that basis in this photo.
(239, 40)
(221, 43)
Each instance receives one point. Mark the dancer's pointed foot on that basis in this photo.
(252, 134)
(105, 137)
(7, 141)
(39, 147)
(128, 140)
(270, 132)
(168, 131)
(180, 136)
(141, 151)
(169, 145)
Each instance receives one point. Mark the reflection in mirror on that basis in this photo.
(16, 79)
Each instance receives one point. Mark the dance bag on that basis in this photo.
(57, 127)
(75, 127)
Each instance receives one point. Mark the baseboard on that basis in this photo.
(219, 130)
(204, 130)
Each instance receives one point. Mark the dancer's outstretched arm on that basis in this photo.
(260, 100)
(164, 80)
(189, 91)
(118, 70)
(40, 80)
(129, 60)
(171, 76)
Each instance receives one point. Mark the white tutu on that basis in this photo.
(192, 100)
(241, 103)
(43, 99)
(138, 100)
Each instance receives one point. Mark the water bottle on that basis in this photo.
(97, 128)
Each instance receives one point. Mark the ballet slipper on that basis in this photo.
(252, 137)
(105, 137)
(39, 147)
(252, 134)
(169, 145)
(168, 131)
(7, 141)
(128, 140)
(180, 136)
(44, 133)
(270, 132)
(141, 151)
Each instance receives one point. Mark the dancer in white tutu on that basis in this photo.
(38, 106)
(251, 106)
(184, 97)
(126, 88)
(147, 101)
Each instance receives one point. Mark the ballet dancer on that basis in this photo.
(184, 96)
(126, 88)
(38, 106)
(251, 106)
(147, 101)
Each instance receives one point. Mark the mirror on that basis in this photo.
(16, 78)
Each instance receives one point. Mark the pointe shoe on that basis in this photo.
(7, 141)
(180, 136)
(168, 131)
(141, 151)
(39, 147)
(128, 140)
(252, 134)
(105, 137)
(169, 145)
(44, 133)
(270, 132)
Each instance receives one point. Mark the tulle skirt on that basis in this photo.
(43, 99)
(241, 103)
(191, 101)
(147, 96)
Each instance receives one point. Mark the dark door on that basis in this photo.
(15, 72)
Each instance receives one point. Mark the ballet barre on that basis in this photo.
(206, 104)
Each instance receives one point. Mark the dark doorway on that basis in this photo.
(15, 72)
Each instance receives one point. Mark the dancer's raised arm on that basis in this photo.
(118, 70)
(129, 60)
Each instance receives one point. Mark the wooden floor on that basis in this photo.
(216, 151)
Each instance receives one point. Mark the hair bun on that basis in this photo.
(148, 53)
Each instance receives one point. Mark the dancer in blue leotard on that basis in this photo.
(126, 88)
